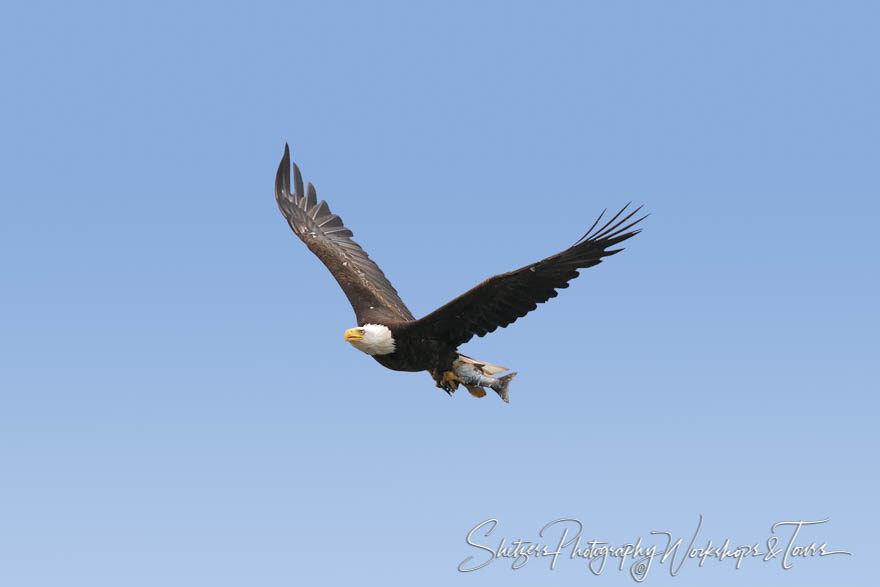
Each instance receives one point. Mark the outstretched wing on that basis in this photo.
(372, 296)
(500, 300)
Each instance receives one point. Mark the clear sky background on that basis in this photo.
(178, 406)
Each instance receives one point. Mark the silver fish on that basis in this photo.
(472, 376)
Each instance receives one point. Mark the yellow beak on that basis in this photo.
(353, 335)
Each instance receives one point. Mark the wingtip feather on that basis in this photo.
(297, 182)
(282, 177)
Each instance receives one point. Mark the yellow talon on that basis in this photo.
(451, 378)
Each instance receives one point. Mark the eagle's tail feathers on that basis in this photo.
(487, 368)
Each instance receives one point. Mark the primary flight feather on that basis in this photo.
(386, 328)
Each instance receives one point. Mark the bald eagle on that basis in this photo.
(387, 330)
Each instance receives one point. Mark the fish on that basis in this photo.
(471, 376)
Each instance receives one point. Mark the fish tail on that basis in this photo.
(501, 386)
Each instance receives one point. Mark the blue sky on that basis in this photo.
(179, 407)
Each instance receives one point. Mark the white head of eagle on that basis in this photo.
(373, 339)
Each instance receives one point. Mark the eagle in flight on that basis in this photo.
(387, 331)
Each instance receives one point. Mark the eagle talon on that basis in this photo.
(447, 381)
(450, 381)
